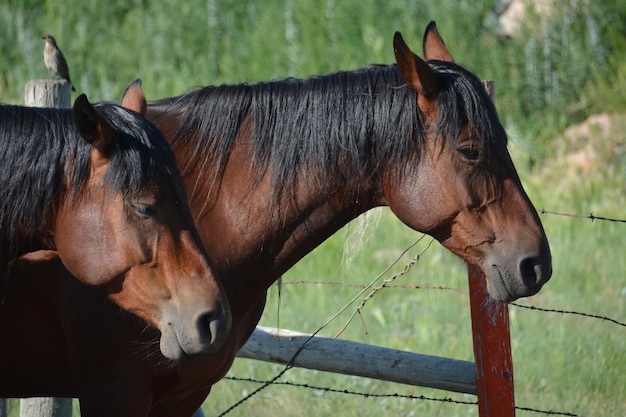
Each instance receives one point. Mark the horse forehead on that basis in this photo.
(135, 131)
(144, 161)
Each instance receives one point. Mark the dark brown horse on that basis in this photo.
(275, 168)
(100, 186)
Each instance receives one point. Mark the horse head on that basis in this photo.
(128, 229)
(465, 190)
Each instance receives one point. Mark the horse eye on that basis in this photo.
(470, 152)
(143, 210)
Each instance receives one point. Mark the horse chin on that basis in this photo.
(174, 350)
(170, 346)
(504, 286)
(497, 284)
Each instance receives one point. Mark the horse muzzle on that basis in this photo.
(511, 278)
(203, 335)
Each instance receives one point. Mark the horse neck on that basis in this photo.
(250, 234)
(252, 238)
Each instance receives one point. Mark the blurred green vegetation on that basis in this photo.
(560, 68)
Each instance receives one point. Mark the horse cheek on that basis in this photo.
(420, 203)
(83, 244)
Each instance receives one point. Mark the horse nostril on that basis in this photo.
(216, 329)
(534, 273)
(203, 324)
(211, 326)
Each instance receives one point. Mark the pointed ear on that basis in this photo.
(94, 129)
(133, 98)
(415, 71)
(434, 46)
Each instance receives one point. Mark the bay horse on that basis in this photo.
(99, 185)
(272, 170)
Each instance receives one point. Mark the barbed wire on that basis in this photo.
(349, 392)
(589, 216)
(385, 283)
(444, 288)
(398, 286)
(571, 312)
(272, 381)
(420, 397)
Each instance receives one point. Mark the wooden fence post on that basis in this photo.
(46, 93)
(492, 350)
(46, 407)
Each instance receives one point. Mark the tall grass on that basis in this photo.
(548, 75)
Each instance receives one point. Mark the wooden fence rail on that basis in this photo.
(358, 359)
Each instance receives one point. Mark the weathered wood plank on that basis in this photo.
(359, 359)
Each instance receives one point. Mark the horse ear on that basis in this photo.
(94, 129)
(434, 46)
(415, 70)
(133, 97)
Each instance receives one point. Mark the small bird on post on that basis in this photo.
(55, 61)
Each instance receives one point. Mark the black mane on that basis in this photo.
(462, 101)
(41, 153)
(346, 124)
